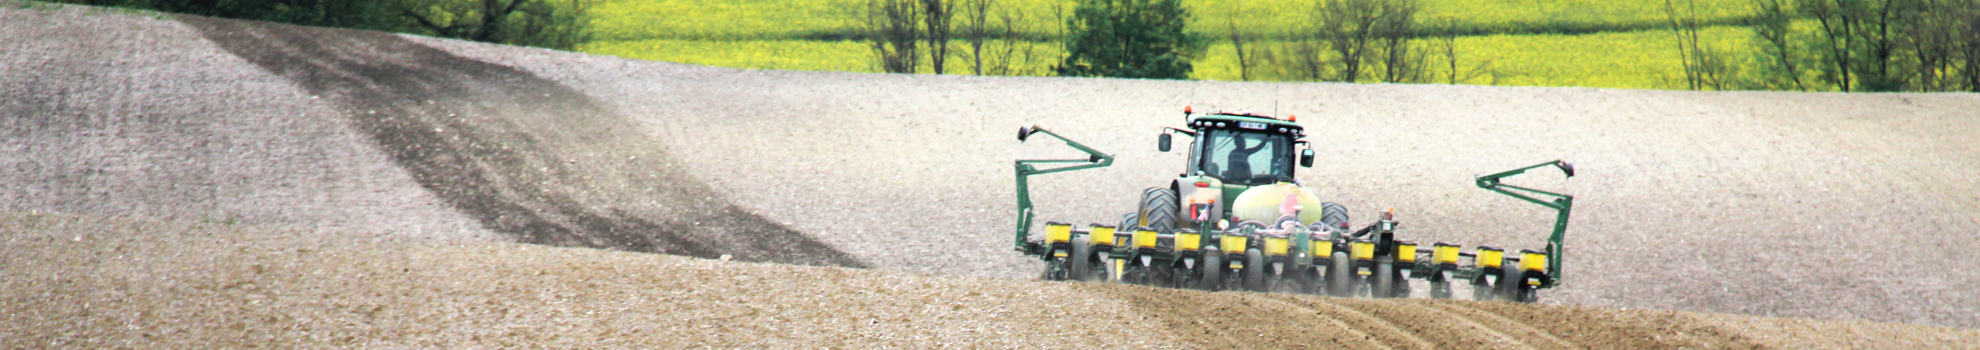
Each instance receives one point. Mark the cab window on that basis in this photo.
(1246, 157)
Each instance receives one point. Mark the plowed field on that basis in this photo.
(228, 182)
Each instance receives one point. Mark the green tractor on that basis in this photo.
(1236, 219)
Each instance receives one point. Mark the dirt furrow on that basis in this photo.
(1389, 332)
(1238, 320)
(526, 156)
(1499, 325)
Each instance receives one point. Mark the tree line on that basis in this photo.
(558, 24)
(1848, 45)
(1804, 45)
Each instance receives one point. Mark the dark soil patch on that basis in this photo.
(524, 155)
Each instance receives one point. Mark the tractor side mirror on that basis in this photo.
(1306, 158)
(1162, 142)
(1025, 132)
(1565, 167)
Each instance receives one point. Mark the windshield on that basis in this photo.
(1247, 157)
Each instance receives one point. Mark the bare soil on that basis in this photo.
(191, 156)
(99, 282)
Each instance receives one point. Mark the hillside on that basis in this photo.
(1857, 207)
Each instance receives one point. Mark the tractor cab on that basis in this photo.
(1231, 153)
(1242, 148)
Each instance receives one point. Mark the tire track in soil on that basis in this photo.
(1601, 328)
(1445, 330)
(1393, 334)
(1500, 325)
(1344, 326)
(1233, 320)
(524, 155)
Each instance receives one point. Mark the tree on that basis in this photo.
(937, 15)
(1244, 58)
(976, 29)
(1771, 24)
(1401, 63)
(1703, 67)
(1445, 40)
(891, 27)
(332, 13)
(1365, 31)
(1019, 55)
(556, 24)
(1128, 39)
(1861, 41)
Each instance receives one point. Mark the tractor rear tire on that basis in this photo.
(1254, 271)
(1210, 272)
(1158, 209)
(1340, 276)
(1333, 214)
(1385, 281)
(1081, 268)
(1128, 222)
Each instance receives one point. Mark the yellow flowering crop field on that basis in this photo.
(616, 20)
(1635, 60)
(809, 35)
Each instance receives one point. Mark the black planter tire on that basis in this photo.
(1210, 272)
(1340, 276)
(1385, 282)
(1254, 271)
(1080, 267)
